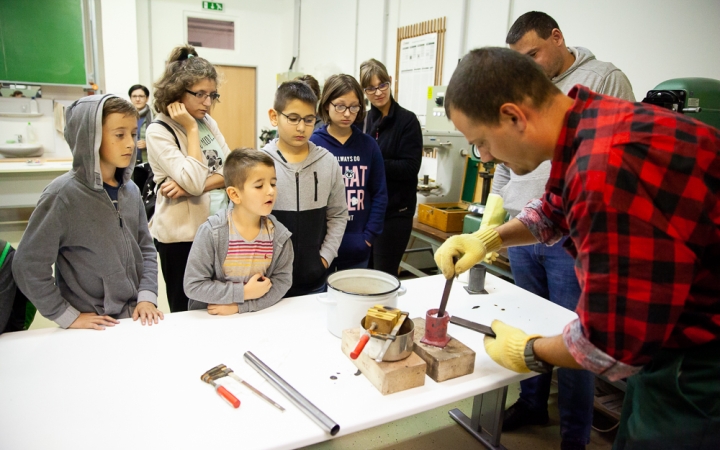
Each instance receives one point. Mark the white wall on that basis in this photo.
(119, 45)
(650, 40)
(263, 39)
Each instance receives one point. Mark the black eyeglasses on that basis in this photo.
(214, 97)
(380, 87)
(342, 108)
(295, 119)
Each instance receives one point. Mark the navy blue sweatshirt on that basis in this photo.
(363, 170)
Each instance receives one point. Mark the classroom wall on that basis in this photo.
(650, 40)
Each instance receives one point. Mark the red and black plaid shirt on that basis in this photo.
(636, 187)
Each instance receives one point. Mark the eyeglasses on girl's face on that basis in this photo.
(342, 108)
(214, 96)
(380, 87)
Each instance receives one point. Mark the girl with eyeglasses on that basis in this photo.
(186, 152)
(361, 165)
(397, 132)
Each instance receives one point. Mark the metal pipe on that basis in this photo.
(294, 396)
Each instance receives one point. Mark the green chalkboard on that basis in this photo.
(41, 42)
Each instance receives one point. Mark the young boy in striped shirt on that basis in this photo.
(241, 259)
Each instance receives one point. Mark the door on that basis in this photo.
(235, 114)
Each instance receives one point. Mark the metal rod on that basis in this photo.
(484, 329)
(294, 396)
(446, 295)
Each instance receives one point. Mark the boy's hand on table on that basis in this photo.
(93, 322)
(147, 313)
(171, 189)
(179, 114)
(255, 288)
(223, 310)
(324, 262)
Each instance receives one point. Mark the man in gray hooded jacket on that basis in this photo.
(91, 223)
(549, 271)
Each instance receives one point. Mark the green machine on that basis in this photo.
(699, 98)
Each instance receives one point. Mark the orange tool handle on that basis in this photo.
(227, 395)
(360, 346)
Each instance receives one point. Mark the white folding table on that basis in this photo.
(134, 386)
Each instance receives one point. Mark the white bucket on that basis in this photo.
(352, 292)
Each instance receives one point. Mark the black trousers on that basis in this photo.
(391, 244)
(173, 259)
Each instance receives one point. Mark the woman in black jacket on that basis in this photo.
(397, 132)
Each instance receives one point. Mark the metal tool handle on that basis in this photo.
(393, 333)
(256, 391)
(445, 296)
(227, 395)
(294, 396)
(484, 329)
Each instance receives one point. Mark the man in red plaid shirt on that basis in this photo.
(636, 189)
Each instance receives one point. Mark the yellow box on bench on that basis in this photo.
(443, 216)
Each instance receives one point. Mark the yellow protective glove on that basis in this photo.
(493, 216)
(461, 252)
(508, 347)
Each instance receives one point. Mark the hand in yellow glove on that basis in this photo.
(467, 250)
(493, 216)
(508, 347)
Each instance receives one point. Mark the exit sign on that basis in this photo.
(214, 6)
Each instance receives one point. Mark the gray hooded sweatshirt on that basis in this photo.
(311, 204)
(104, 258)
(601, 77)
(205, 280)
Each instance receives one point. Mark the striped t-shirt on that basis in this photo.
(247, 258)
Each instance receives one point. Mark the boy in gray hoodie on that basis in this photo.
(311, 201)
(91, 223)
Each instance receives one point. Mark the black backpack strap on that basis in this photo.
(169, 128)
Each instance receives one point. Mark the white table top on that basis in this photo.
(139, 387)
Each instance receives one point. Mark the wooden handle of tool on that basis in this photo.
(227, 395)
(360, 346)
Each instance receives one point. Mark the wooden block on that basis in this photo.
(455, 360)
(387, 377)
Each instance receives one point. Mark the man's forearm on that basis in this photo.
(514, 233)
(552, 350)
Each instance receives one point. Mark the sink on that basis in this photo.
(20, 150)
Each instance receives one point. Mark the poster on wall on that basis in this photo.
(418, 56)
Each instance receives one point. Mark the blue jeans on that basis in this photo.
(549, 272)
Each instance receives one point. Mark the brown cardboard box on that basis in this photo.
(443, 216)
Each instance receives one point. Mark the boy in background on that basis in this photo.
(241, 258)
(312, 203)
(91, 223)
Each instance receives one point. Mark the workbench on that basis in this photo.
(435, 238)
(134, 386)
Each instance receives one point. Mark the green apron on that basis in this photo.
(674, 402)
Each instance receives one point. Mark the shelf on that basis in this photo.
(21, 115)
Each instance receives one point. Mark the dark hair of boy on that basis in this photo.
(533, 20)
(370, 68)
(118, 105)
(135, 87)
(337, 86)
(240, 162)
(312, 82)
(294, 90)
(486, 78)
(183, 69)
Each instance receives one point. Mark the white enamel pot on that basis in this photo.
(352, 292)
